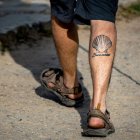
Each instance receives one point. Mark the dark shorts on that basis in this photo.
(82, 11)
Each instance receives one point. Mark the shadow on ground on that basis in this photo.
(42, 56)
(37, 59)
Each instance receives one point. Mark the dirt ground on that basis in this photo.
(29, 112)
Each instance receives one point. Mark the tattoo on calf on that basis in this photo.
(101, 43)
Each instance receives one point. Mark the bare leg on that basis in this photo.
(102, 50)
(66, 43)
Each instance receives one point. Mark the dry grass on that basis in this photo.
(129, 12)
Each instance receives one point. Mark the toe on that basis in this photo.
(50, 85)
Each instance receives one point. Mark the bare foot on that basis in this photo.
(96, 123)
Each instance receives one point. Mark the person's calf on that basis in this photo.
(102, 50)
(66, 42)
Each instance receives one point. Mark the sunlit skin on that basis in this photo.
(101, 66)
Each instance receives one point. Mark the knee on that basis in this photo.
(102, 27)
(56, 21)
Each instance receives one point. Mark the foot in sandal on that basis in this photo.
(52, 79)
(102, 125)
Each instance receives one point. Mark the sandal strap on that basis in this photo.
(55, 76)
(106, 117)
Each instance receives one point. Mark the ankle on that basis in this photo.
(99, 106)
(70, 82)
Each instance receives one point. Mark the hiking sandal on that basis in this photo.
(99, 132)
(55, 76)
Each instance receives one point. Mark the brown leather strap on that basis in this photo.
(97, 113)
(55, 76)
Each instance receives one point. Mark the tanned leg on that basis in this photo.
(66, 43)
(102, 51)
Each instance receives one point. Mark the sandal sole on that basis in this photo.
(97, 132)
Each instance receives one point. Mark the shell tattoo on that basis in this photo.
(101, 43)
